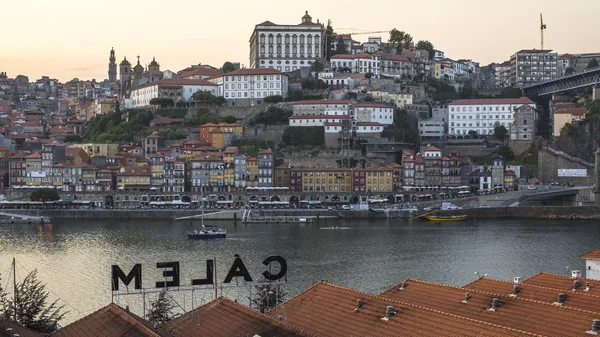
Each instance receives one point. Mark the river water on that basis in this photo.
(74, 257)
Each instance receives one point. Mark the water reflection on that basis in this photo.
(74, 257)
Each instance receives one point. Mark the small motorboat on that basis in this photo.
(208, 232)
(446, 218)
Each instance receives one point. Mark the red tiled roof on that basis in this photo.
(326, 102)
(594, 254)
(562, 282)
(329, 310)
(176, 82)
(371, 105)
(517, 313)
(134, 171)
(431, 148)
(488, 101)
(202, 71)
(112, 321)
(579, 300)
(252, 71)
(223, 317)
(572, 111)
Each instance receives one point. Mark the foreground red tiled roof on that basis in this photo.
(594, 254)
(487, 101)
(518, 313)
(562, 282)
(223, 317)
(579, 300)
(329, 310)
(110, 321)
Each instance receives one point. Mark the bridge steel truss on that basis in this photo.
(588, 78)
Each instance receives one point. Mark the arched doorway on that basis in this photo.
(294, 201)
(335, 198)
(186, 199)
(109, 201)
(391, 199)
(354, 199)
(275, 198)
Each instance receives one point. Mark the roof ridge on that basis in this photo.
(504, 296)
(132, 316)
(595, 249)
(430, 309)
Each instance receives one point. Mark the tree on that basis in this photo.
(296, 95)
(472, 133)
(273, 99)
(398, 38)
(229, 119)
(368, 98)
(593, 64)
(500, 132)
(29, 306)
(569, 71)
(228, 67)
(267, 295)
(164, 102)
(329, 36)
(161, 310)
(467, 91)
(317, 66)
(207, 97)
(426, 45)
(44, 194)
(340, 47)
(368, 75)
(506, 152)
(72, 139)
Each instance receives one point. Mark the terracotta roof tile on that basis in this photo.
(330, 310)
(223, 317)
(518, 313)
(202, 71)
(110, 321)
(572, 111)
(594, 254)
(562, 282)
(579, 300)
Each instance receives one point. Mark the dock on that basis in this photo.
(277, 219)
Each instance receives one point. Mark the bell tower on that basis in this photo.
(112, 67)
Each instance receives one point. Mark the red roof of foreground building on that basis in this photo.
(594, 254)
(223, 317)
(491, 101)
(518, 313)
(329, 310)
(112, 321)
(562, 282)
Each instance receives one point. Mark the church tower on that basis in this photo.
(125, 76)
(112, 67)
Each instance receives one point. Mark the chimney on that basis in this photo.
(402, 286)
(9, 332)
(576, 284)
(495, 304)
(587, 286)
(595, 327)
(517, 280)
(561, 299)
(515, 291)
(126, 308)
(389, 312)
(467, 297)
(279, 317)
(359, 304)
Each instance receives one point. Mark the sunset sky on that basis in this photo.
(72, 38)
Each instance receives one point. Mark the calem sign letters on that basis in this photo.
(172, 273)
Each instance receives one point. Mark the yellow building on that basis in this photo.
(229, 167)
(220, 135)
(566, 116)
(437, 70)
(104, 105)
(252, 171)
(158, 170)
(379, 179)
(134, 178)
(324, 179)
(282, 176)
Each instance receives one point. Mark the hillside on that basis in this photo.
(580, 139)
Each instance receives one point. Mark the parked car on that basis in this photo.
(555, 183)
(531, 187)
(345, 207)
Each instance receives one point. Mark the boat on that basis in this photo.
(208, 232)
(446, 218)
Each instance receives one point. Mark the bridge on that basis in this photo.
(587, 78)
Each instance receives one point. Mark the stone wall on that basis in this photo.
(265, 132)
(548, 165)
(520, 146)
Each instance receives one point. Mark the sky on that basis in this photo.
(72, 38)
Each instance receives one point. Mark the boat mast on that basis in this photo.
(15, 293)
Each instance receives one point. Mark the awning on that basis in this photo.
(225, 202)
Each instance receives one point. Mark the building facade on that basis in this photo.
(533, 66)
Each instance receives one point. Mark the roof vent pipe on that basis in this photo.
(389, 312)
(9, 332)
(576, 284)
(402, 286)
(467, 297)
(495, 304)
(587, 286)
(359, 304)
(515, 291)
(595, 327)
(561, 299)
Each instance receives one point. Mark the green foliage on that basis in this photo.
(228, 67)
(273, 115)
(44, 194)
(340, 47)
(206, 97)
(273, 99)
(400, 39)
(472, 133)
(569, 71)
(506, 152)
(426, 45)
(317, 66)
(29, 307)
(593, 64)
(105, 129)
(368, 75)
(368, 98)
(311, 83)
(304, 136)
(73, 139)
(229, 119)
(352, 95)
(296, 95)
(203, 116)
(329, 36)
(467, 91)
(500, 132)
(267, 295)
(162, 101)
(401, 130)
(174, 133)
(442, 91)
(510, 93)
(161, 309)
(171, 113)
(250, 147)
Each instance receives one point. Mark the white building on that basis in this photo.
(592, 264)
(322, 108)
(430, 129)
(502, 77)
(373, 112)
(359, 63)
(201, 72)
(480, 115)
(287, 47)
(317, 120)
(533, 66)
(180, 90)
(252, 84)
(356, 127)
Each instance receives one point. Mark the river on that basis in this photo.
(74, 257)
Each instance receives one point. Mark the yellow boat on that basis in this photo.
(446, 218)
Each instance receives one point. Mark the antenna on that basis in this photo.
(542, 27)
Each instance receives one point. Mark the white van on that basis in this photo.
(346, 207)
